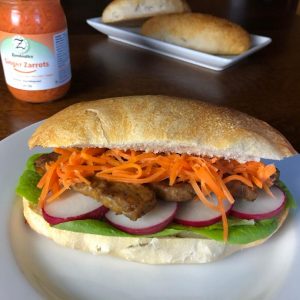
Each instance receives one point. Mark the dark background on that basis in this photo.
(252, 14)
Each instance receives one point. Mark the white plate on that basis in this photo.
(132, 36)
(31, 263)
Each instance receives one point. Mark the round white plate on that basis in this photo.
(33, 267)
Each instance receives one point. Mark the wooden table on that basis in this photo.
(265, 85)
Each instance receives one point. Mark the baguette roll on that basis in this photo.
(131, 10)
(200, 32)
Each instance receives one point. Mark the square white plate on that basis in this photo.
(132, 36)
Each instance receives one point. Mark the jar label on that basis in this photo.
(35, 61)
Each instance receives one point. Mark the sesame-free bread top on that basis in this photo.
(199, 32)
(128, 10)
(162, 124)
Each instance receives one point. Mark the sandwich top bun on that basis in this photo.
(199, 32)
(128, 10)
(172, 250)
(162, 124)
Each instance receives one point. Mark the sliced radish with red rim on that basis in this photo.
(154, 221)
(195, 213)
(73, 206)
(264, 207)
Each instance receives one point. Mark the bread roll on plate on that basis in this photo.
(200, 32)
(129, 11)
(138, 156)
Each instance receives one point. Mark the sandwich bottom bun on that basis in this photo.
(173, 250)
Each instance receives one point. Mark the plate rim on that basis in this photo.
(24, 290)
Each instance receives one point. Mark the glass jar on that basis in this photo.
(35, 49)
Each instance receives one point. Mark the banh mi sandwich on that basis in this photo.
(135, 11)
(155, 179)
(199, 32)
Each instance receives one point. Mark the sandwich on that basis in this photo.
(155, 179)
(134, 12)
(199, 32)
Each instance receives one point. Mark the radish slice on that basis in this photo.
(264, 207)
(195, 213)
(73, 206)
(152, 222)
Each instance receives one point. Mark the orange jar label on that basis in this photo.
(35, 61)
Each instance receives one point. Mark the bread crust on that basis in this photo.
(130, 10)
(162, 124)
(144, 250)
(199, 32)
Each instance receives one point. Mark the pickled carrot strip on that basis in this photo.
(238, 178)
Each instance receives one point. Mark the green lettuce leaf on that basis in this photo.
(27, 184)
(31, 160)
(240, 231)
(101, 227)
(239, 234)
(91, 226)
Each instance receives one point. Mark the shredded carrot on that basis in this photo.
(206, 175)
(241, 178)
(57, 194)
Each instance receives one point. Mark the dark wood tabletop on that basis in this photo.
(265, 85)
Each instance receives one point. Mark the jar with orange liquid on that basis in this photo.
(35, 49)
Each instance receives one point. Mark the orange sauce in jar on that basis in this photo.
(35, 49)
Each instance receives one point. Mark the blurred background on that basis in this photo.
(252, 14)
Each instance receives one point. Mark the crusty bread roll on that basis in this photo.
(158, 124)
(173, 250)
(199, 32)
(128, 10)
(162, 124)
